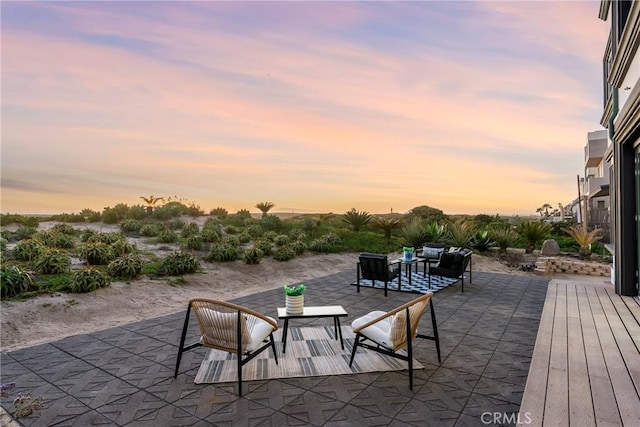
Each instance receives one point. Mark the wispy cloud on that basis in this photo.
(323, 105)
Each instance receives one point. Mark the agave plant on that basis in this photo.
(505, 237)
(584, 238)
(482, 241)
(356, 219)
(533, 232)
(459, 233)
(413, 233)
(14, 280)
(252, 256)
(88, 280)
(434, 232)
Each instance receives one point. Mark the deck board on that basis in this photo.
(588, 337)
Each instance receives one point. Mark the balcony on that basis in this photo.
(594, 152)
(593, 185)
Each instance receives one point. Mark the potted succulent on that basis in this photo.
(294, 298)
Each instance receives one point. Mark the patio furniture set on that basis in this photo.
(246, 333)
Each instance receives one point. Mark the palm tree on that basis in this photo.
(356, 219)
(151, 202)
(387, 224)
(265, 207)
(533, 232)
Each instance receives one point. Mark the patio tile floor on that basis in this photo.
(123, 376)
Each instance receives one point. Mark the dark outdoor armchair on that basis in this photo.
(453, 264)
(377, 267)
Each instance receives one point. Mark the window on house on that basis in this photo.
(624, 6)
(600, 204)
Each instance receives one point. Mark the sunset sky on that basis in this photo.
(469, 107)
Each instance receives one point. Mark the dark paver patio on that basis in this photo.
(124, 376)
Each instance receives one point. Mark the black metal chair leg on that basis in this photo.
(355, 347)
(273, 347)
(435, 329)
(358, 278)
(182, 339)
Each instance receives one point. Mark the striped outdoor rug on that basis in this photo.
(311, 351)
(419, 283)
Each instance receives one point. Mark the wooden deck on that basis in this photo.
(585, 368)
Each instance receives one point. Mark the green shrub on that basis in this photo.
(264, 245)
(298, 247)
(284, 253)
(190, 229)
(150, 230)
(366, 241)
(167, 236)
(97, 253)
(107, 238)
(126, 267)
(14, 281)
(281, 240)
(195, 242)
(3, 244)
(482, 241)
(244, 237)
(231, 241)
(271, 222)
(178, 263)
(219, 212)
(122, 247)
(137, 212)
(223, 252)
(28, 250)
(88, 280)
(52, 261)
(252, 256)
(505, 237)
(131, 226)
(210, 234)
(87, 234)
(29, 221)
(64, 229)
(24, 232)
(254, 230)
(413, 233)
(176, 224)
(434, 232)
(61, 241)
(320, 245)
(459, 233)
(231, 229)
(332, 238)
(270, 236)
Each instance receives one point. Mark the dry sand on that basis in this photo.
(51, 317)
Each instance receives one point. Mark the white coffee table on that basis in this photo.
(335, 311)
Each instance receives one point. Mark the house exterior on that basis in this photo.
(595, 184)
(621, 117)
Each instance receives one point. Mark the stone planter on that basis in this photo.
(294, 304)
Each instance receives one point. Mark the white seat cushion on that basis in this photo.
(378, 332)
(260, 332)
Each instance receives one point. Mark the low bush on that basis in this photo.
(252, 256)
(284, 253)
(210, 234)
(244, 237)
(52, 261)
(126, 267)
(298, 247)
(24, 232)
(14, 281)
(88, 280)
(28, 250)
(178, 263)
(190, 229)
(64, 229)
(167, 236)
(223, 252)
(195, 242)
(281, 240)
(150, 230)
(264, 245)
(61, 241)
(131, 226)
(97, 253)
